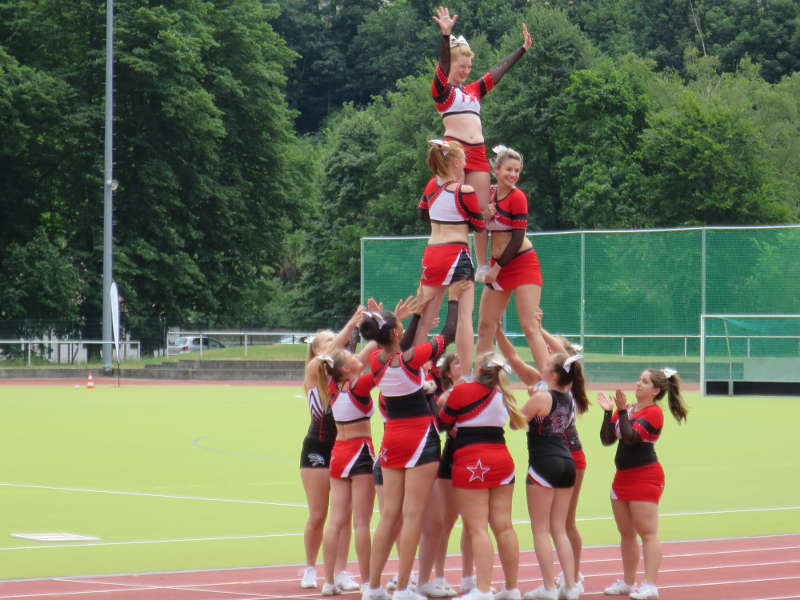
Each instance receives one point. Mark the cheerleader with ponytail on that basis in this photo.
(551, 470)
(316, 451)
(483, 470)
(639, 480)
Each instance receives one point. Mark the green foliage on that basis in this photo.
(39, 287)
(703, 166)
(597, 131)
(522, 111)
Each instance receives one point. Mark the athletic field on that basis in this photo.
(196, 477)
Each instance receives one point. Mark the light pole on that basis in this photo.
(109, 185)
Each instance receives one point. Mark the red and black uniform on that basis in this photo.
(410, 437)
(442, 264)
(480, 456)
(639, 475)
(550, 463)
(318, 443)
(351, 404)
(452, 100)
(516, 268)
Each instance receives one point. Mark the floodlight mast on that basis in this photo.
(109, 185)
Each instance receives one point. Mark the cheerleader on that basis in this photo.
(352, 488)
(639, 480)
(483, 471)
(409, 453)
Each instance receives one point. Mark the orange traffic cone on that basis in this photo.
(90, 383)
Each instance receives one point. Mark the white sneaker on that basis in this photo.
(646, 591)
(542, 593)
(367, 593)
(407, 594)
(345, 582)
(476, 594)
(330, 589)
(619, 588)
(573, 593)
(392, 585)
(467, 583)
(309, 578)
(437, 588)
(506, 594)
(560, 585)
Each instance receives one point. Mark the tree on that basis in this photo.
(349, 159)
(703, 166)
(521, 112)
(602, 115)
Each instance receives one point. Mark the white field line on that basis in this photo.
(149, 494)
(303, 505)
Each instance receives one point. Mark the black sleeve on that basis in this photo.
(409, 333)
(444, 55)
(423, 214)
(517, 236)
(505, 64)
(629, 436)
(352, 343)
(449, 330)
(607, 436)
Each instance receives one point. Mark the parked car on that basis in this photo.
(191, 343)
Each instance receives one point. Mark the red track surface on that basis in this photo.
(757, 568)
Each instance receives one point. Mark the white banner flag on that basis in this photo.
(114, 301)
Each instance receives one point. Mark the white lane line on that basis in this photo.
(254, 536)
(149, 494)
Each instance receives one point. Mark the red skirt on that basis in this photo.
(522, 269)
(442, 264)
(642, 484)
(352, 457)
(409, 442)
(580, 459)
(475, 155)
(480, 466)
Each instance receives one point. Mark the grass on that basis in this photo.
(207, 476)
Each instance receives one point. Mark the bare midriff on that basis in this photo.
(448, 234)
(465, 127)
(356, 429)
(500, 240)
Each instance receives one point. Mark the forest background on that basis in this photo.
(257, 141)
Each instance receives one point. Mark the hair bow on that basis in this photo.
(440, 362)
(499, 362)
(442, 145)
(327, 359)
(458, 41)
(668, 372)
(499, 149)
(571, 359)
(308, 339)
(377, 316)
(577, 347)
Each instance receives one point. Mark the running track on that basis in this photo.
(755, 568)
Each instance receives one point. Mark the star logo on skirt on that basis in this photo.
(478, 471)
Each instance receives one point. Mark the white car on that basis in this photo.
(191, 343)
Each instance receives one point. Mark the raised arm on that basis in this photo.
(446, 22)
(528, 374)
(607, 436)
(342, 338)
(502, 67)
